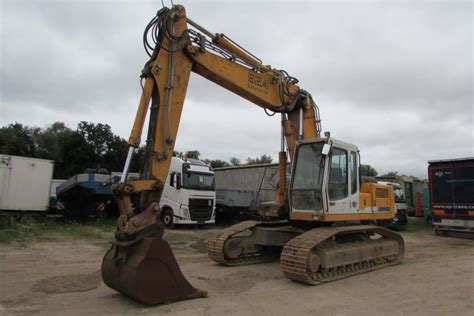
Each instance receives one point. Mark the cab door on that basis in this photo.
(171, 195)
(338, 184)
(354, 181)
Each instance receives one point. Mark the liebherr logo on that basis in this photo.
(258, 83)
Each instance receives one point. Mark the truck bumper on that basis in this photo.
(460, 225)
(181, 221)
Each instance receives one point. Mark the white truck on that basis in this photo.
(189, 196)
(400, 203)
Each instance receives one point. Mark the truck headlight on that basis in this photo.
(185, 211)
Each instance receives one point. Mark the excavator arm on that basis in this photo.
(181, 46)
(178, 52)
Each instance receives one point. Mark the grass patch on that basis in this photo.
(27, 229)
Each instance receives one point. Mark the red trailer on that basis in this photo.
(451, 184)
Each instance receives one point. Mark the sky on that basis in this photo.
(393, 77)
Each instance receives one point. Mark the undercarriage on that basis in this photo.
(311, 256)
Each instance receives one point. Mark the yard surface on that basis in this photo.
(61, 275)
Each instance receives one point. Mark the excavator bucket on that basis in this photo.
(147, 271)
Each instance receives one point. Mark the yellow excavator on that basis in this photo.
(324, 188)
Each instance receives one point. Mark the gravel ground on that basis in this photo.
(63, 277)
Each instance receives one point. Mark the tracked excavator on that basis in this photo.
(324, 190)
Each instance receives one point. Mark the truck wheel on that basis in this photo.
(167, 218)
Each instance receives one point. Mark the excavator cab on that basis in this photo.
(325, 184)
(324, 177)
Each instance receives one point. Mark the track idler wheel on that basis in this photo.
(147, 271)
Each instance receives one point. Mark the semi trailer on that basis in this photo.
(451, 184)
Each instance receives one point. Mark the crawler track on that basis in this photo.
(215, 247)
(295, 257)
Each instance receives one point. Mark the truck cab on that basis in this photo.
(400, 202)
(189, 195)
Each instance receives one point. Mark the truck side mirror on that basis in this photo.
(178, 181)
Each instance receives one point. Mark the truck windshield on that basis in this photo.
(399, 197)
(308, 178)
(198, 181)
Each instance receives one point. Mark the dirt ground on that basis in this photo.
(62, 277)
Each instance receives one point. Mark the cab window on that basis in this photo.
(338, 183)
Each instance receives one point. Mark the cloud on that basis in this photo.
(393, 77)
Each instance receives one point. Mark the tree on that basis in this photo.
(76, 156)
(263, 159)
(136, 163)
(109, 150)
(50, 142)
(368, 171)
(192, 154)
(114, 158)
(89, 146)
(391, 174)
(99, 136)
(235, 161)
(19, 140)
(68, 149)
(177, 154)
(219, 163)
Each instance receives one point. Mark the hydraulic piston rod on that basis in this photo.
(123, 179)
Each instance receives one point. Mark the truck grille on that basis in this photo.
(200, 209)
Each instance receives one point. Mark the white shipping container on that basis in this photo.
(25, 183)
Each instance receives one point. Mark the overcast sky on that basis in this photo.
(395, 78)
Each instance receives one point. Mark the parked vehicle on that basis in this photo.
(25, 184)
(406, 185)
(86, 194)
(451, 185)
(241, 190)
(419, 190)
(189, 195)
(400, 203)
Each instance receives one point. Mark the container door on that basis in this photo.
(426, 204)
(409, 194)
(442, 188)
(5, 171)
(463, 188)
(418, 206)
